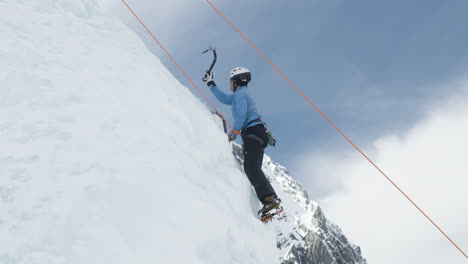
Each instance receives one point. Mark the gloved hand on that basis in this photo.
(208, 78)
(231, 137)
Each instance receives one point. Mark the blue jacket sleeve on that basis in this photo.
(222, 97)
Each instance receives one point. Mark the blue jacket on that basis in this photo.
(243, 107)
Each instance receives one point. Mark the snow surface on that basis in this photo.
(105, 157)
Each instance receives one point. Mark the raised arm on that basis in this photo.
(222, 97)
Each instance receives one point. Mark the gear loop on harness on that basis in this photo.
(255, 137)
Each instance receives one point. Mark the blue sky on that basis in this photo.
(375, 68)
(369, 65)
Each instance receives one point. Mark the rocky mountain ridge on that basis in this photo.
(304, 234)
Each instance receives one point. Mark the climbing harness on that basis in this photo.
(271, 139)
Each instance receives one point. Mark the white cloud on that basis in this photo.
(430, 163)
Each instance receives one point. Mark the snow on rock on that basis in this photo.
(304, 234)
(105, 157)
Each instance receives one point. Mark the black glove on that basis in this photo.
(208, 78)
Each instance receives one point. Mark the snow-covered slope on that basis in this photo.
(304, 234)
(105, 157)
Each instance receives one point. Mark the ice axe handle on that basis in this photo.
(224, 126)
(222, 118)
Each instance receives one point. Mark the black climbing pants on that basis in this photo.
(255, 141)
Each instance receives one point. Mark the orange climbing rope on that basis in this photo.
(300, 92)
(337, 129)
(175, 62)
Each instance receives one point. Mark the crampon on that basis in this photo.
(266, 217)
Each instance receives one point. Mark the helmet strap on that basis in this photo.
(234, 85)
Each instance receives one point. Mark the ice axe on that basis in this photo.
(222, 119)
(214, 60)
(208, 71)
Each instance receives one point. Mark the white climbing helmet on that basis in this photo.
(240, 75)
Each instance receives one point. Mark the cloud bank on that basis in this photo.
(430, 163)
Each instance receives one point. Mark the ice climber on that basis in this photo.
(253, 131)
